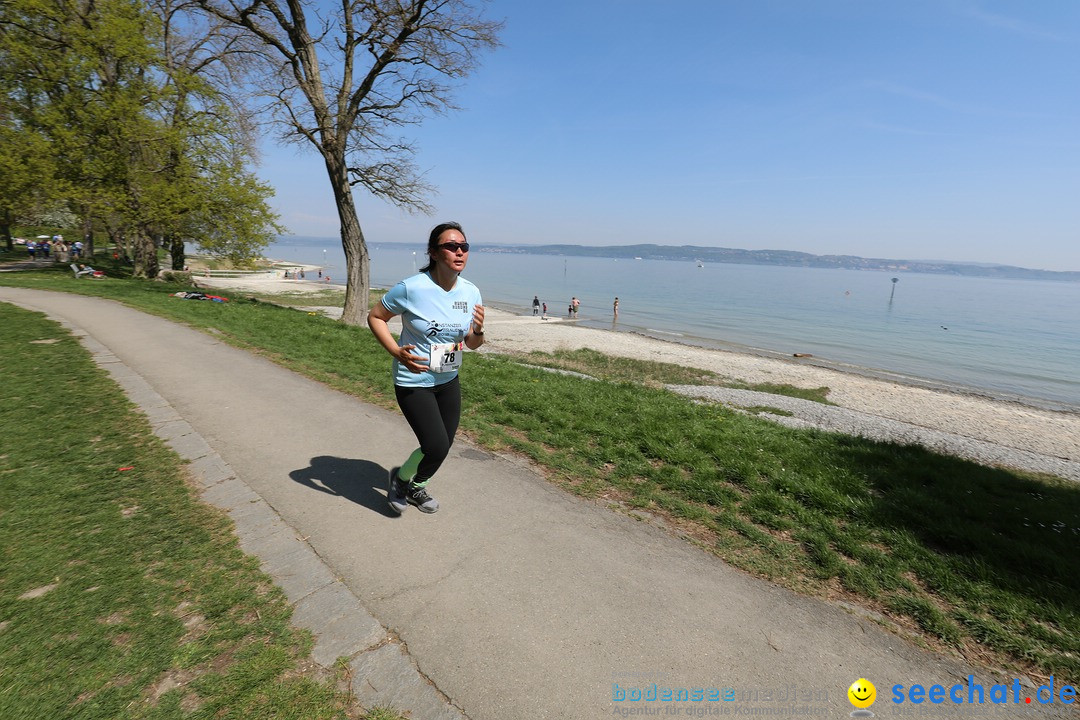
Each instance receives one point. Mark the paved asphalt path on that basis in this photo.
(516, 600)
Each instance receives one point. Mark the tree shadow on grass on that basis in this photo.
(360, 481)
(986, 534)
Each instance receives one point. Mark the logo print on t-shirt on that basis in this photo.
(433, 329)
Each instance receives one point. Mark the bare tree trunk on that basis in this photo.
(357, 260)
(5, 229)
(146, 260)
(116, 237)
(88, 237)
(176, 252)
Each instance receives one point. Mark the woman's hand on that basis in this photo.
(475, 338)
(377, 319)
(412, 362)
(478, 320)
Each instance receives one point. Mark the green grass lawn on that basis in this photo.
(121, 595)
(331, 297)
(978, 560)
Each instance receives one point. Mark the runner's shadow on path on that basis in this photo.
(361, 481)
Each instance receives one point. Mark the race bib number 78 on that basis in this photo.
(446, 357)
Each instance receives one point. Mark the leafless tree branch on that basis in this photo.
(346, 82)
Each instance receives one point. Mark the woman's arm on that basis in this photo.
(475, 338)
(376, 320)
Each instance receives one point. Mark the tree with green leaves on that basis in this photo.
(27, 163)
(26, 166)
(227, 212)
(140, 136)
(344, 79)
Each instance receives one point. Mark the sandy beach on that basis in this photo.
(1028, 437)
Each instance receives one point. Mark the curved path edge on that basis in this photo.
(382, 671)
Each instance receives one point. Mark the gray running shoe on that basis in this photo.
(424, 503)
(397, 493)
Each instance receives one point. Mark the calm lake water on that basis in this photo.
(1007, 338)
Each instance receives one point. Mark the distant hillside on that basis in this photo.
(783, 257)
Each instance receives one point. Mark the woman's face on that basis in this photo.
(453, 251)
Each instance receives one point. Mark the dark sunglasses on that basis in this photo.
(454, 247)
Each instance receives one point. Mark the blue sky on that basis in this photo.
(918, 129)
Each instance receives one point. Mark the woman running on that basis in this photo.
(441, 314)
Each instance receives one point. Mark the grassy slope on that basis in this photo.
(121, 595)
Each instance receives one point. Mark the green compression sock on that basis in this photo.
(408, 468)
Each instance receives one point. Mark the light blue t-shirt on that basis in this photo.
(430, 315)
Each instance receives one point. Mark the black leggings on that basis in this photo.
(433, 414)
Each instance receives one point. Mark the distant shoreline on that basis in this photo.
(737, 256)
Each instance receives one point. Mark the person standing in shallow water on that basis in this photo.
(536, 305)
(441, 315)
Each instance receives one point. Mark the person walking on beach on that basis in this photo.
(536, 305)
(441, 315)
(544, 316)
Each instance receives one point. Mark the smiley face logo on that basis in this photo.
(862, 693)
